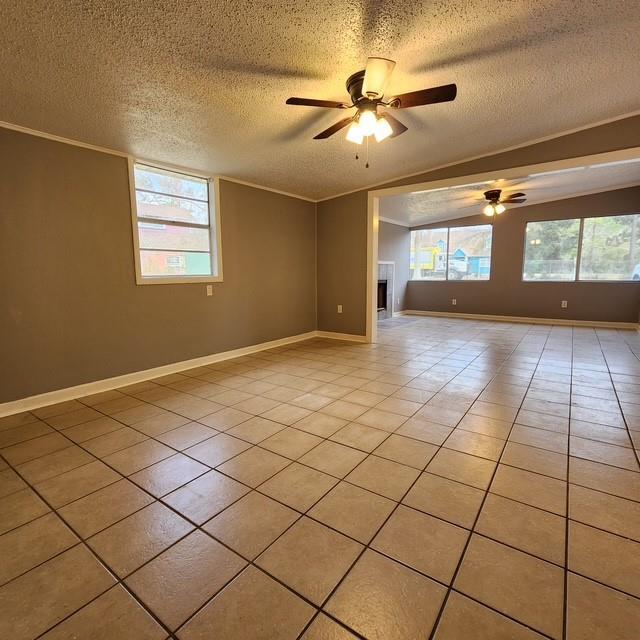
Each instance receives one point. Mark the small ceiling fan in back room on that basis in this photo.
(366, 89)
(496, 202)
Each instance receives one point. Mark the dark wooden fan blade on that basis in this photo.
(445, 93)
(513, 200)
(516, 195)
(311, 102)
(334, 128)
(396, 125)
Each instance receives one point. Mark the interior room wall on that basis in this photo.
(394, 245)
(70, 310)
(348, 213)
(506, 294)
(342, 263)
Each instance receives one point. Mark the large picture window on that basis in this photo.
(176, 235)
(551, 250)
(451, 253)
(606, 248)
(610, 248)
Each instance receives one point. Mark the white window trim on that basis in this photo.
(215, 226)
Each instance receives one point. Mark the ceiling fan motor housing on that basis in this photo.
(493, 195)
(354, 85)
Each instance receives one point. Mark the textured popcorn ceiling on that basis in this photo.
(202, 84)
(425, 207)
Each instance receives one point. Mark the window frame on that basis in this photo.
(446, 269)
(576, 275)
(214, 226)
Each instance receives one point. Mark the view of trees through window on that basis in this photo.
(174, 231)
(456, 253)
(610, 249)
(551, 250)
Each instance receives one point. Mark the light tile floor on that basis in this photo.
(459, 479)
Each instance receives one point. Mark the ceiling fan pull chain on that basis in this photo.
(366, 166)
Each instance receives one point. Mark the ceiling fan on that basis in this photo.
(496, 204)
(366, 89)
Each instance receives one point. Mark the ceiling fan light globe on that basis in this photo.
(354, 134)
(383, 130)
(500, 208)
(488, 210)
(367, 123)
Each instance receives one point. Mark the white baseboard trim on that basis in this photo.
(351, 337)
(71, 393)
(522, 319)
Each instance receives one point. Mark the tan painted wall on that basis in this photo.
(394, 244)
(70, 311)
(506, 294)
(342, 263)
(352, 208)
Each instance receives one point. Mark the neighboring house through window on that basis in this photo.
(176, 228)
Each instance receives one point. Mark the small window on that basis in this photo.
(610, 248)
(469, 253)
(176, 231)
(551, 250)
(428, 259)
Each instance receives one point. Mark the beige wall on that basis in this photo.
(506, 294)
(341, 267)
(342, 263)
(70, 311)
(394, 245)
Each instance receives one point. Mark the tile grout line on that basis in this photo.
(565, 586)
(368, 547)
(292, 426)
(475, 522)
(82, 542)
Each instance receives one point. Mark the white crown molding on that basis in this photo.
(577, 194)
(553, 136)
(78, 391)
(396, 222)
(522, 145)
(154, 163)
(259, 186)
(63, 140)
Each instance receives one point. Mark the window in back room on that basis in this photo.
(604, 248)
(551, 250)
(451, 253)
(610, 248)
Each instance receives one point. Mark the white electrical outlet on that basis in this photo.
(209, 289)
(454, 302)
(397, 301)
(563, 304)
(339, 308)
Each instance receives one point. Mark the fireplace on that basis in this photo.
(382, 295)
(385, 290)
